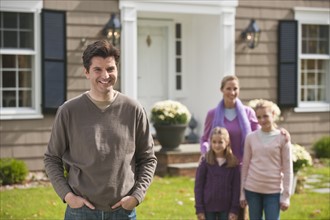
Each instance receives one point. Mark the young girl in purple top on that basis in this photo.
(217, 183)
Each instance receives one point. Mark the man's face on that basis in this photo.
(102, 75)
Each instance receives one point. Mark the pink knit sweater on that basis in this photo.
(267, 165)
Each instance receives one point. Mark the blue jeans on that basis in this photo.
(85, 213)
(216, 215)
(267, 203)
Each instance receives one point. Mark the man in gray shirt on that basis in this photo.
(102, 139)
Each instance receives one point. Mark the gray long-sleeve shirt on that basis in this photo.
(108, 154)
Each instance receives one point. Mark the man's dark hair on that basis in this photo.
(100, 48)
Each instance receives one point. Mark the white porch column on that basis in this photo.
(227, 41)
(128, 49)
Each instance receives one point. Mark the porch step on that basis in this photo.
(182, 169)
(182, 162)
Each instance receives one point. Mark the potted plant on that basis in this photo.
(301, 158)
(170, 119)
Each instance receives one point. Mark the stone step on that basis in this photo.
(185, 155)
(182, 169)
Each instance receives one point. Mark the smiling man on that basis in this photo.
(102, 139)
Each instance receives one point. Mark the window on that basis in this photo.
(19, 61)
(16, 86)
(313, 70)
(313, 59)
(178, 54)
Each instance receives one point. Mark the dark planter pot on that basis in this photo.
(170, 136)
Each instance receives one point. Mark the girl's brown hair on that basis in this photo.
(229, 156)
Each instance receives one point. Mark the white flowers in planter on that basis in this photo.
(169, 112)
(300, 157)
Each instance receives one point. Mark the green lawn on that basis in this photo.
(167, 198)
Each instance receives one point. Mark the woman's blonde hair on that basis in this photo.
(230, 157)
(228, 78)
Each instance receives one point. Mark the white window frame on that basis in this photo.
(35, 111)
(316, 16)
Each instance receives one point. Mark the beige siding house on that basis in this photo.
(192, 45)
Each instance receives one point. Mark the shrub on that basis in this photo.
(322, 147)
(12, 171)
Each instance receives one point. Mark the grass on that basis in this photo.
(167, 198)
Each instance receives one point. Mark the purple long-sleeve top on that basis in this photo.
(217, 188)
(233, 128)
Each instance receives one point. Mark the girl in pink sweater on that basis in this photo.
(267, 172)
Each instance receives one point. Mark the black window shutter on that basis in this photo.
(54, 74)
(287, 63)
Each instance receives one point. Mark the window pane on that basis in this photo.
(8, 61)
(9, 99)
(178, 82)
(312, 31)
(25, 99)
(10, 20)
(321, 79)
(10, 39)
(321, 94)
(9, 79)
(304, 46)
(178, 65)
(302, 94)
(312, 46)
(310, 64)
(178, 48)
(26, 39)
(310, 95)
(26, 21)
(24, 61)
(24, 79)
(324, 47)
(311, 79)
(178, 31)
(302, 78)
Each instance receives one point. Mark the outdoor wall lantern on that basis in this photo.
(112, 29)
(251, 34)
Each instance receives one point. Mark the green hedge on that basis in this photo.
(12, 171)
(322, 147)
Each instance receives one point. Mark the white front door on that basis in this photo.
(153, 71)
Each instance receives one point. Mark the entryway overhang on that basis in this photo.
(225, 10)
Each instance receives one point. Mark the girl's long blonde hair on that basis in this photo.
(229, 156)
(266, 104)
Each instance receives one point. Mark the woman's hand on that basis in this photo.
(201, 216)
(232, 216)
(243, 203)
(286, 134)
(76, 202)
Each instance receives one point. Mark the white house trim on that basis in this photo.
(129, 11)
